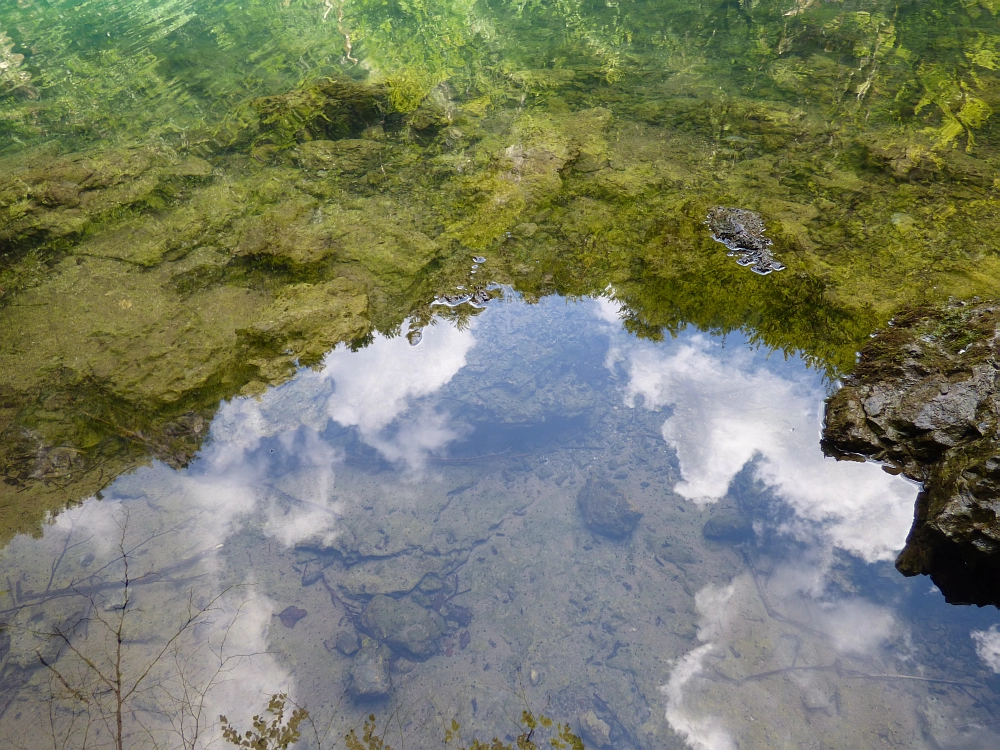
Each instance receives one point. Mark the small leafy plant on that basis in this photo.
(564, 738)
(269, 735)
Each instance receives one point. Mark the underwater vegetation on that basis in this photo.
(196, 199)
(279, 734)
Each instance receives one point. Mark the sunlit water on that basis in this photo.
(448, 474)
(753, 605)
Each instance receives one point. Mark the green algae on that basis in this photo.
(244, 214)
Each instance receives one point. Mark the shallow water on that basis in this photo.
(454, 467)
(258, 368)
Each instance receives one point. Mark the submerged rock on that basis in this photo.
(405, 626)
(924, 401)
(327, 109)
(728, 525)
(456, 613)
(742, 231)
(595, 731)
(346, 642)
(347, 156)
(606, 510)
(370, 672)
(289, 616)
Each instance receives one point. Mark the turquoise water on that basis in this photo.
(754, 604)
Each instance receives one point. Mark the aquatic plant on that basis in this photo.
(562, 739)
(276, 734)
(279, 734)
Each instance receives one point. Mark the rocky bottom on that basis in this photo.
(554, 558)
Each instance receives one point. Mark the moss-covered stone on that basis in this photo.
(925, 400)
(44, 198)
(328, 109)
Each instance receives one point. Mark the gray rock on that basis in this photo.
(595, 731)
(346, 642)
(924, 401)
(606, 510)
(728, 525)
(405, 626)
(370, 672)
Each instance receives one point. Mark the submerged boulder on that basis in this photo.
(346, 642)
(924, 401)
(594, 730)
(370, 672)
(331, 108)
(728, 525)
(406, 627)
(606, 510)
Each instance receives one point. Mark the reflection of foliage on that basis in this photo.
(276, 734)
(960, 110)
(416, 44)
(564, 738)
(601, 28)
(168, 67)
(107, 677)
(370, 737)
(835, 123)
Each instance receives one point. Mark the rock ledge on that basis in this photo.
(924, 401)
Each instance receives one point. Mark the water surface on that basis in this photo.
(448, 473)
(239, 398)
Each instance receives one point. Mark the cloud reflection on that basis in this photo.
(728, 407)
(771, 641)
(988, 647)
(377, 385)
(269, 468)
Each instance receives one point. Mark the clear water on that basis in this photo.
(168, 263)
(448, 473)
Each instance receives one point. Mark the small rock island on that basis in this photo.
(743, 233)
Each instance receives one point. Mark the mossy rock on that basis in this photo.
(45, 197)
(348, 156)
(329, 109)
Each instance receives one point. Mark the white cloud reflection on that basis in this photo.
(377, 385)
(988, 647)
(728, 407)
(777, 667)
(267, 468)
